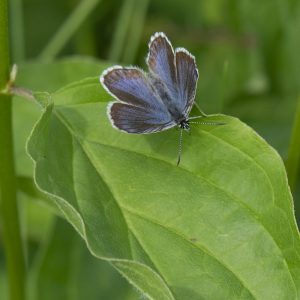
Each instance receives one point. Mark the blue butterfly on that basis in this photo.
(157, 100)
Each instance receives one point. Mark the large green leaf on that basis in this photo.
(219, 226)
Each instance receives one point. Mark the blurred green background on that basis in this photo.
(247, 53)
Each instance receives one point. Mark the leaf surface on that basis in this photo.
(219, 226)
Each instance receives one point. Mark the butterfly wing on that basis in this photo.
(187, 77)
(140, 110)
(134, 119)
(177, 71)
(161, 62)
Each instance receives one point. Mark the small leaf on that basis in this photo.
(43, 98)
(219, 226)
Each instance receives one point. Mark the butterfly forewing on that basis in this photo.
(161, 61)
(178, 73)
(187, 76)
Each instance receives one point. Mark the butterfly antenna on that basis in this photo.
(208, 123)
(179, 147)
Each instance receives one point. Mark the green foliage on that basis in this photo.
(221, 226)
(65, 262)
(207, 229)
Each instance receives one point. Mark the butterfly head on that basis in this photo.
(184, 124)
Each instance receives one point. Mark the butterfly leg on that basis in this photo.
(200, 111)
(179, 147)
(196, 117)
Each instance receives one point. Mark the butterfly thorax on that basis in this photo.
(184, 124)
(167, 97)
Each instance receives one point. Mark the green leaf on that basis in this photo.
(219, 226)
(39, 76)
(43, 98)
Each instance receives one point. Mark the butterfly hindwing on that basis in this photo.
(129, 85)
(133, 119)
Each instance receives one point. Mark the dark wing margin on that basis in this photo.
(161, 61)
(133, 119)
(187, 77)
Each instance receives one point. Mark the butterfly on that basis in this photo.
(159, 99)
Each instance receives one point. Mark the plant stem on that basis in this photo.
(118, 42)
(8, 201)
(4, 50)
(63, 35)
(135, 30)
(293, 160)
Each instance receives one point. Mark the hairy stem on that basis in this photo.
(8, 201)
